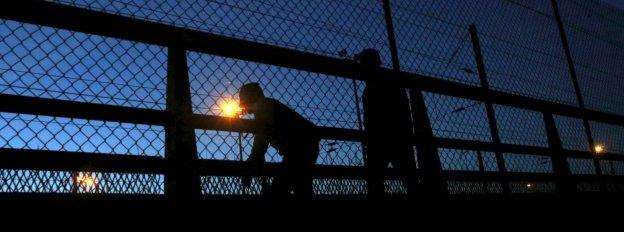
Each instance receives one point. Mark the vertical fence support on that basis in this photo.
(482, 170)
(182, 184)
(489, 108)
(577, 88)
(433, 183)
(561, 169)
(391, 36)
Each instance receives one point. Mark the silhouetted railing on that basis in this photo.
(507, 97)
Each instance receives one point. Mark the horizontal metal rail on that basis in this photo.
(121, 27)
(115, 26)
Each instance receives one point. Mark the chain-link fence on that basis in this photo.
(483, 77)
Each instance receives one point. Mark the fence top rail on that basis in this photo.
(110, 25)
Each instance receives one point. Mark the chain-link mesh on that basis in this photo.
(223, 145)
(521, 47)
(606, 167)
(232, 185)
(532, 187)
(614, 187)
(44, 62)
(339, 187)
(527, 163)
(581, 166)
(473, 188)
(618, 167)
(609, 136)
(466, 160)
(325, 100)
(588, 187)
(572, 133)
(319, 26)
(431, 42)
(59, 64)
(523, 52)
(394, 187)
(457, 118)
(520, 127)
(610, 167)
(595, 33)
(520, 44)
(31, 181)
(340, 153)
(23, 131)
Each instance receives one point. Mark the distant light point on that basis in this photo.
(86, 181)
(599, 149)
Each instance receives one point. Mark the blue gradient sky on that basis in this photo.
(522, 52)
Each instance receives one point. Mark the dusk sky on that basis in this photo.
(522, 52)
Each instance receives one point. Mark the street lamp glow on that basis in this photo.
(599, 148)
(86, 181)
(230, 108)
(529, 185)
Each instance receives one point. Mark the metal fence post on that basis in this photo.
(577, 88)
(561, 169)
(182, 184)
(427, 154)
(489, 108)
(482, 170)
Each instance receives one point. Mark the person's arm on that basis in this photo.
(261, 141)
(262, 122)
(259, 149)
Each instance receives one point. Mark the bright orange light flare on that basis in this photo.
(230, 108)
(599, 148)
(86, 181)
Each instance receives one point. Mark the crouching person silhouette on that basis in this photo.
(293, 136)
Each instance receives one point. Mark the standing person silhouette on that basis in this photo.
(292, 135)
(387, 120)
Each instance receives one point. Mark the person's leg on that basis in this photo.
(405, 165)
(302, 183)
(375, 165)
(280, 185)
(303, 169)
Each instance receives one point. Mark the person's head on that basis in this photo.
(369, 63)
(249, 94)
(368, 58)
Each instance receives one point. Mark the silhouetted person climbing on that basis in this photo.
(387, 120)
(293, 136)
